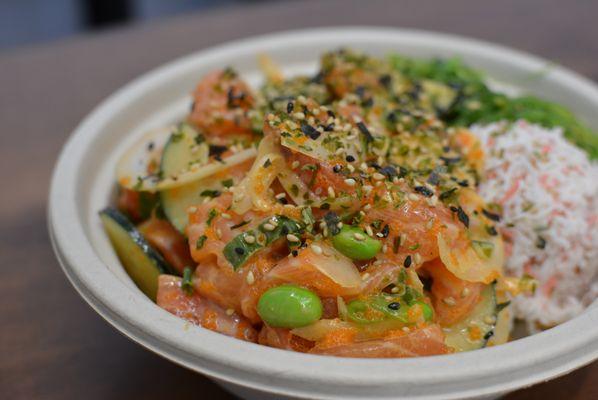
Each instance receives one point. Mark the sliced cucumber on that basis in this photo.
(474, 331)
(142, 262)
(184, 148)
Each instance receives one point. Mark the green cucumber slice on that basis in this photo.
(142, 262)
(483, 317)
(184, 148)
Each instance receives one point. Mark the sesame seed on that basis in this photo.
(317, 249)
(465, 292)
(250, 279)
(367, 207)
(417, 258)
(413, 197)
(363, 167)
(218, 233)
(331, 192)
(367, 188)
(295, 164)
(394, 290)
(280, 196)
(350, 181)
(292, 238)
(230, 311)
(489, 319)
(378, 176)
(339, 225)
(299, 115)
(269, 227)
(369, 231)
(249, 239)
(365, 276)
(449, 301)
(225, 216)
(358, 236)
(351, 168)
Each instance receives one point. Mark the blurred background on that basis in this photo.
(25, 22)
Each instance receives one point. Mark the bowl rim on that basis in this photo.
(488, 371)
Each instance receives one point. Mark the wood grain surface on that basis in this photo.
(52, 345)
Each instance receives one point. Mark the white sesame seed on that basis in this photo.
(413, 197)
(358, 236)
(351, 168)
(250, 279)
(365, 276)
(225, 216)
(367, 207)
(489, 319)
(299, 115)
(363, 167)
(465, 292)
(317, 249)
(417, 258)
(331, 192)
(280, 196)
(249, 239)
(394, 290)
(367, 188)
(449, 301)
(295, 164)
(268, 227)
(403, 238)
(230, 311)
(369, 231)
(378, 176)
(292, 238)
(350, 181)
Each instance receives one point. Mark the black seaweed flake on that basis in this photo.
(450, 160)
(541, 243)
(385, 231)
(424, 191)
(217, 150)
(491, 230)
(240, 224)
(310, 131)
(462, 216)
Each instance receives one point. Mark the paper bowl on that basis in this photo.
(83, 182)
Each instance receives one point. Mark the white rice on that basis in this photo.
(548, 188)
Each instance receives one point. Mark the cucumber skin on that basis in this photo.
(154, 258)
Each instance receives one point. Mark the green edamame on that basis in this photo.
(355, 243)
(289, 306)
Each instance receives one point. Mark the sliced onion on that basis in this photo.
(252, 192)
(466, 263)
(319, 329)
(134, 163)
(335, 266)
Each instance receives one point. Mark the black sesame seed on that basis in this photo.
(491, 215)
(365, 131)
(488, 335)
(290, 107)
(385, 80)
(295, 253)
(424, 191)
(541, 243)
(239, 251)
(325, 206)
(491, 231)
(394, 305)
(385, 231)
(350, 158)
(331, 114)
(463, 217)
(407, 262)
(450, 160)
(337, 168)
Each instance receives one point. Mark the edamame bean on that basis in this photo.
(289, 306)
(355, 243)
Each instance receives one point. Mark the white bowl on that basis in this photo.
(83, 182)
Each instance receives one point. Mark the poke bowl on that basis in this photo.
(88, 238)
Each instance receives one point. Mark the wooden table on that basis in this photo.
(52, 345)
